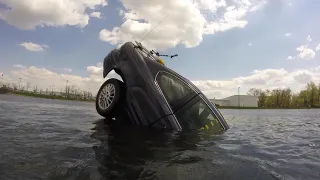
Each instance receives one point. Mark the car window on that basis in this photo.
(173, 88)
(199, 116)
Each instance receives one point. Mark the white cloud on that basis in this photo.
(259, 75)
(29, 14)
(211, 5)
(288, 34)
(291, 57)
(186, 21)
(67, 69)
(250, 44)
(44, 78)
(95, 14)
(309, 38)
(30, 46)
(264, 79)
(303, 76)
(18, 66)
(267, 78)
(305, 53)
(318, 47)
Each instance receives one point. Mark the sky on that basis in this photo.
(222, 44)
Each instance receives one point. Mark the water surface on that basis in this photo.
(56, 139)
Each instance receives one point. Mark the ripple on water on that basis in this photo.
(52, 139)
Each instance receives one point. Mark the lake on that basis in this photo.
(56, 139)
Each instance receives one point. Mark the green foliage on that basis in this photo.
(285, 98)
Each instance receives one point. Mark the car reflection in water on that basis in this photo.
(128, 152)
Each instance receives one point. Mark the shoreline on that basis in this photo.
(43, 96)
(234, 107)
(26, 94)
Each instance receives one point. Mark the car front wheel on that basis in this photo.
(109, 98)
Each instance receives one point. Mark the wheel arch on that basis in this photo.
(118, 72)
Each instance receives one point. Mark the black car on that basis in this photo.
(153, 95)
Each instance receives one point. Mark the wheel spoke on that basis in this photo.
(107, 102)
(106, 96)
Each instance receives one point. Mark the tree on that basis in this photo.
(312, 93)
(254, 92)
(35, 89)
(319, 95)
(262, 99)
(308, 97)
(28, 86)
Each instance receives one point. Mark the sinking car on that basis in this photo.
(151, 94)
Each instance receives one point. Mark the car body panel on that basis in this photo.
(146, 104)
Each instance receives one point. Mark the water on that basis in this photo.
(54, 139)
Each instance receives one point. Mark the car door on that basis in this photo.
(197, 114)
(176, 92)
(189, 107)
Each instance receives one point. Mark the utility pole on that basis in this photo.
(277, 98)
(312, 96)
(2, 79)
(319, 94)
(238, 96)
(66, 88)
(19, 83)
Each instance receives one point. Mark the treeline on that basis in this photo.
(69, 92)
(275, 98)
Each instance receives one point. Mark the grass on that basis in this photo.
(31, 94)
(236, 107)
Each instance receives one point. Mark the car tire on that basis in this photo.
(110, 97)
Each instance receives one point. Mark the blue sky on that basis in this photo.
(222, 56)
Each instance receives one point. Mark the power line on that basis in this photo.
(154, 28)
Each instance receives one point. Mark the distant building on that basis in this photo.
(221, 102)
(237, 100)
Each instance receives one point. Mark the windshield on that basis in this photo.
(199, 116)
(176, 92)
